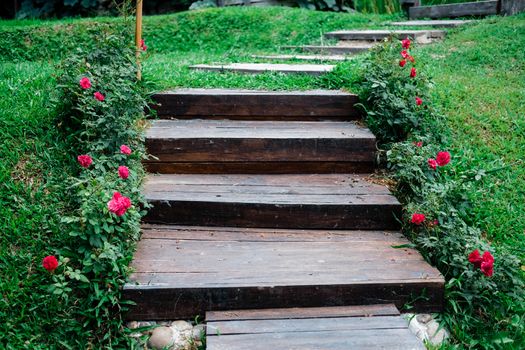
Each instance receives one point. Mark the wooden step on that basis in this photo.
(327, 201)
(334, 328)
(478, 8)
(257, 68)
(332, 49)
(253, 104)
(180, 272)
(305, 57)
(443, 23)
(376, 35)
(240, 146)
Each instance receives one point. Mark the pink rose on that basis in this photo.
(443, 158)
(418, 143)
(404, 54)
(85, 83)
(413, 73)
(418, 101)
(406, 43)
(99, 96)
(119, 204)
(84, 160)
(125, 150)
(143, 45)
(432, 163)
(402, 63)
(50, 263)
(123, 172)
(418, 218)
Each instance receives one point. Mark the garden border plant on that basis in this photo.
(102, 107)
(485, 300)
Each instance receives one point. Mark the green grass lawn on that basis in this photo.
(480, 86)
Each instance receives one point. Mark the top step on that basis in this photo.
(375, 35)
(444, 23)
(256, 105)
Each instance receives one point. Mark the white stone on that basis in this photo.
(426, 328)
(161, 337)
(198, 331)
(181, 326)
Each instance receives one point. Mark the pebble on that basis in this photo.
(161, 337)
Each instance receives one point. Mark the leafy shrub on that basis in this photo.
(482, 310)
(102, 108)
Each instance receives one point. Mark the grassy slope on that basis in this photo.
(32, 164)
(480, 84)
(480, 77)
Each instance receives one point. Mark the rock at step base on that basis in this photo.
(426, 328)
(176, 335)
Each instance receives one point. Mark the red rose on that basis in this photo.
(487, 265)
(418, 143)
(406, 43)
(125, 150)
(443, 158)
(418, 218)
(402, 63)
(123, 172)
(475, 258)
(419, 101)
(413, 73)
(85, 83)
(119, 204)
(84, 160)
(432, 163)
(404, 54)
(143, 45)
(99, 96)
(50, 263)
(411, 59)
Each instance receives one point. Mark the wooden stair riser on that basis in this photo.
(479, 8)
(352, 216)
(228, 104)
(161, 304)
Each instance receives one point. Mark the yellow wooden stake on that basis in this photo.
(138, 37)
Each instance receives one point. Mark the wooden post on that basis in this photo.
(511, 7)
(138, 37)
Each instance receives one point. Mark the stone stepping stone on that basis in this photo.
(256, 68)
(444, 23)
(305, 57)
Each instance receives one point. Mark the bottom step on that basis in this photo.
(350, 327)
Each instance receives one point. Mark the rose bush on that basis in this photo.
(484, 293)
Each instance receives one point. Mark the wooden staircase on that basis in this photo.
(266, 201)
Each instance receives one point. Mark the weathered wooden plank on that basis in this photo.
(249, 104)
(511, 7)
(203, 233)
(391, 339)
(278, 201)
(165, 302)
(300, 313)
(375, 35)
(305, 325)
(288, 167)
(257, 68)
(479, 8)
(444, 23)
